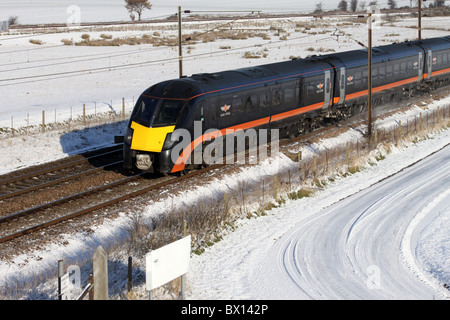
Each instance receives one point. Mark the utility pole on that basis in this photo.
(419, 2)
(180, 49)
(369, 80)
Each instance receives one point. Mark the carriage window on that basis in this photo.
(382, 72)
(251, 102)
(403, 67)
(396, 70)
(365, 76)
(289, 97)
(276, 97)
(264, 99)
(410, 65)
(389, 71)
(374, 73)
(237, 103)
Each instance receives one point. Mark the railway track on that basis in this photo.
(110, 186)
(30, 220)
(83, 203)
(59, 173)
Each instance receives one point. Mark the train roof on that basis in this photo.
(199, 84)
(440, 43)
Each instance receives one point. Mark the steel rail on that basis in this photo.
(103, 204)
(58, 167)
(111, 202)
(57, 181)
(68, 198)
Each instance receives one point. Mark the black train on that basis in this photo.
(293, 96)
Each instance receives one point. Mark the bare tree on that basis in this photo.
(392, 4)
(318, 8)
(13, 20)
(362, 6)
(137, 6)
(342, 6)
(353, 5)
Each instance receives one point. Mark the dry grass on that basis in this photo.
(156, 39)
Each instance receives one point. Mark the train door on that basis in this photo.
(420, 67)
(327, 89)
(341, 88)
(429, 63)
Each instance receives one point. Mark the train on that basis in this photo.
(293, 97)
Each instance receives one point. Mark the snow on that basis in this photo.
(259, 259)
(56, 11)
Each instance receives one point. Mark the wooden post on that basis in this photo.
(437, 115)
(180, 49)
(123, 108)
(100, 263)
(84, 113)
(275, 187)
(130, 274)
(420, 122)
(419, 27)
(369, 81)
(91, 291)
(43, 121)
(60, 274)
(315, 166)
(347, 155)
(376, 139)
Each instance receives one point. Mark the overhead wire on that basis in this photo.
(59, 75)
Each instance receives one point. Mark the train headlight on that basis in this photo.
(128, 135)
(168, 143)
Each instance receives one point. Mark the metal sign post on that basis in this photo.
(369, 80)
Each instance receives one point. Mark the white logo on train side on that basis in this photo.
(225, 110)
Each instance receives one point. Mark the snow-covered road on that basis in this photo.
(363, 247)
(381, 233)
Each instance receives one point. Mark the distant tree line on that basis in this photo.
(354, 5)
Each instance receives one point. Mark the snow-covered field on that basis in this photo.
(56, 11)
(247, 263)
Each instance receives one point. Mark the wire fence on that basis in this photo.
(82, 116)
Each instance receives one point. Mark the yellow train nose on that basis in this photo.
(149, 139)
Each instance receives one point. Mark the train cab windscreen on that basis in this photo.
(168, 113)
(154, 112)
(144, 111)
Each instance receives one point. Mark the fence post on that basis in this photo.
(84, 114)
(275, 187)
(376, 139)
(100, 264)
(91, 292)
(130, 273)
(437, 115)
(43, 121)
(315, 166)
(60, 274)
(420, 122)
(123, 108)
(347, 155)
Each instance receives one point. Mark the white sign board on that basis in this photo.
(65, 287)
(167, 263)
